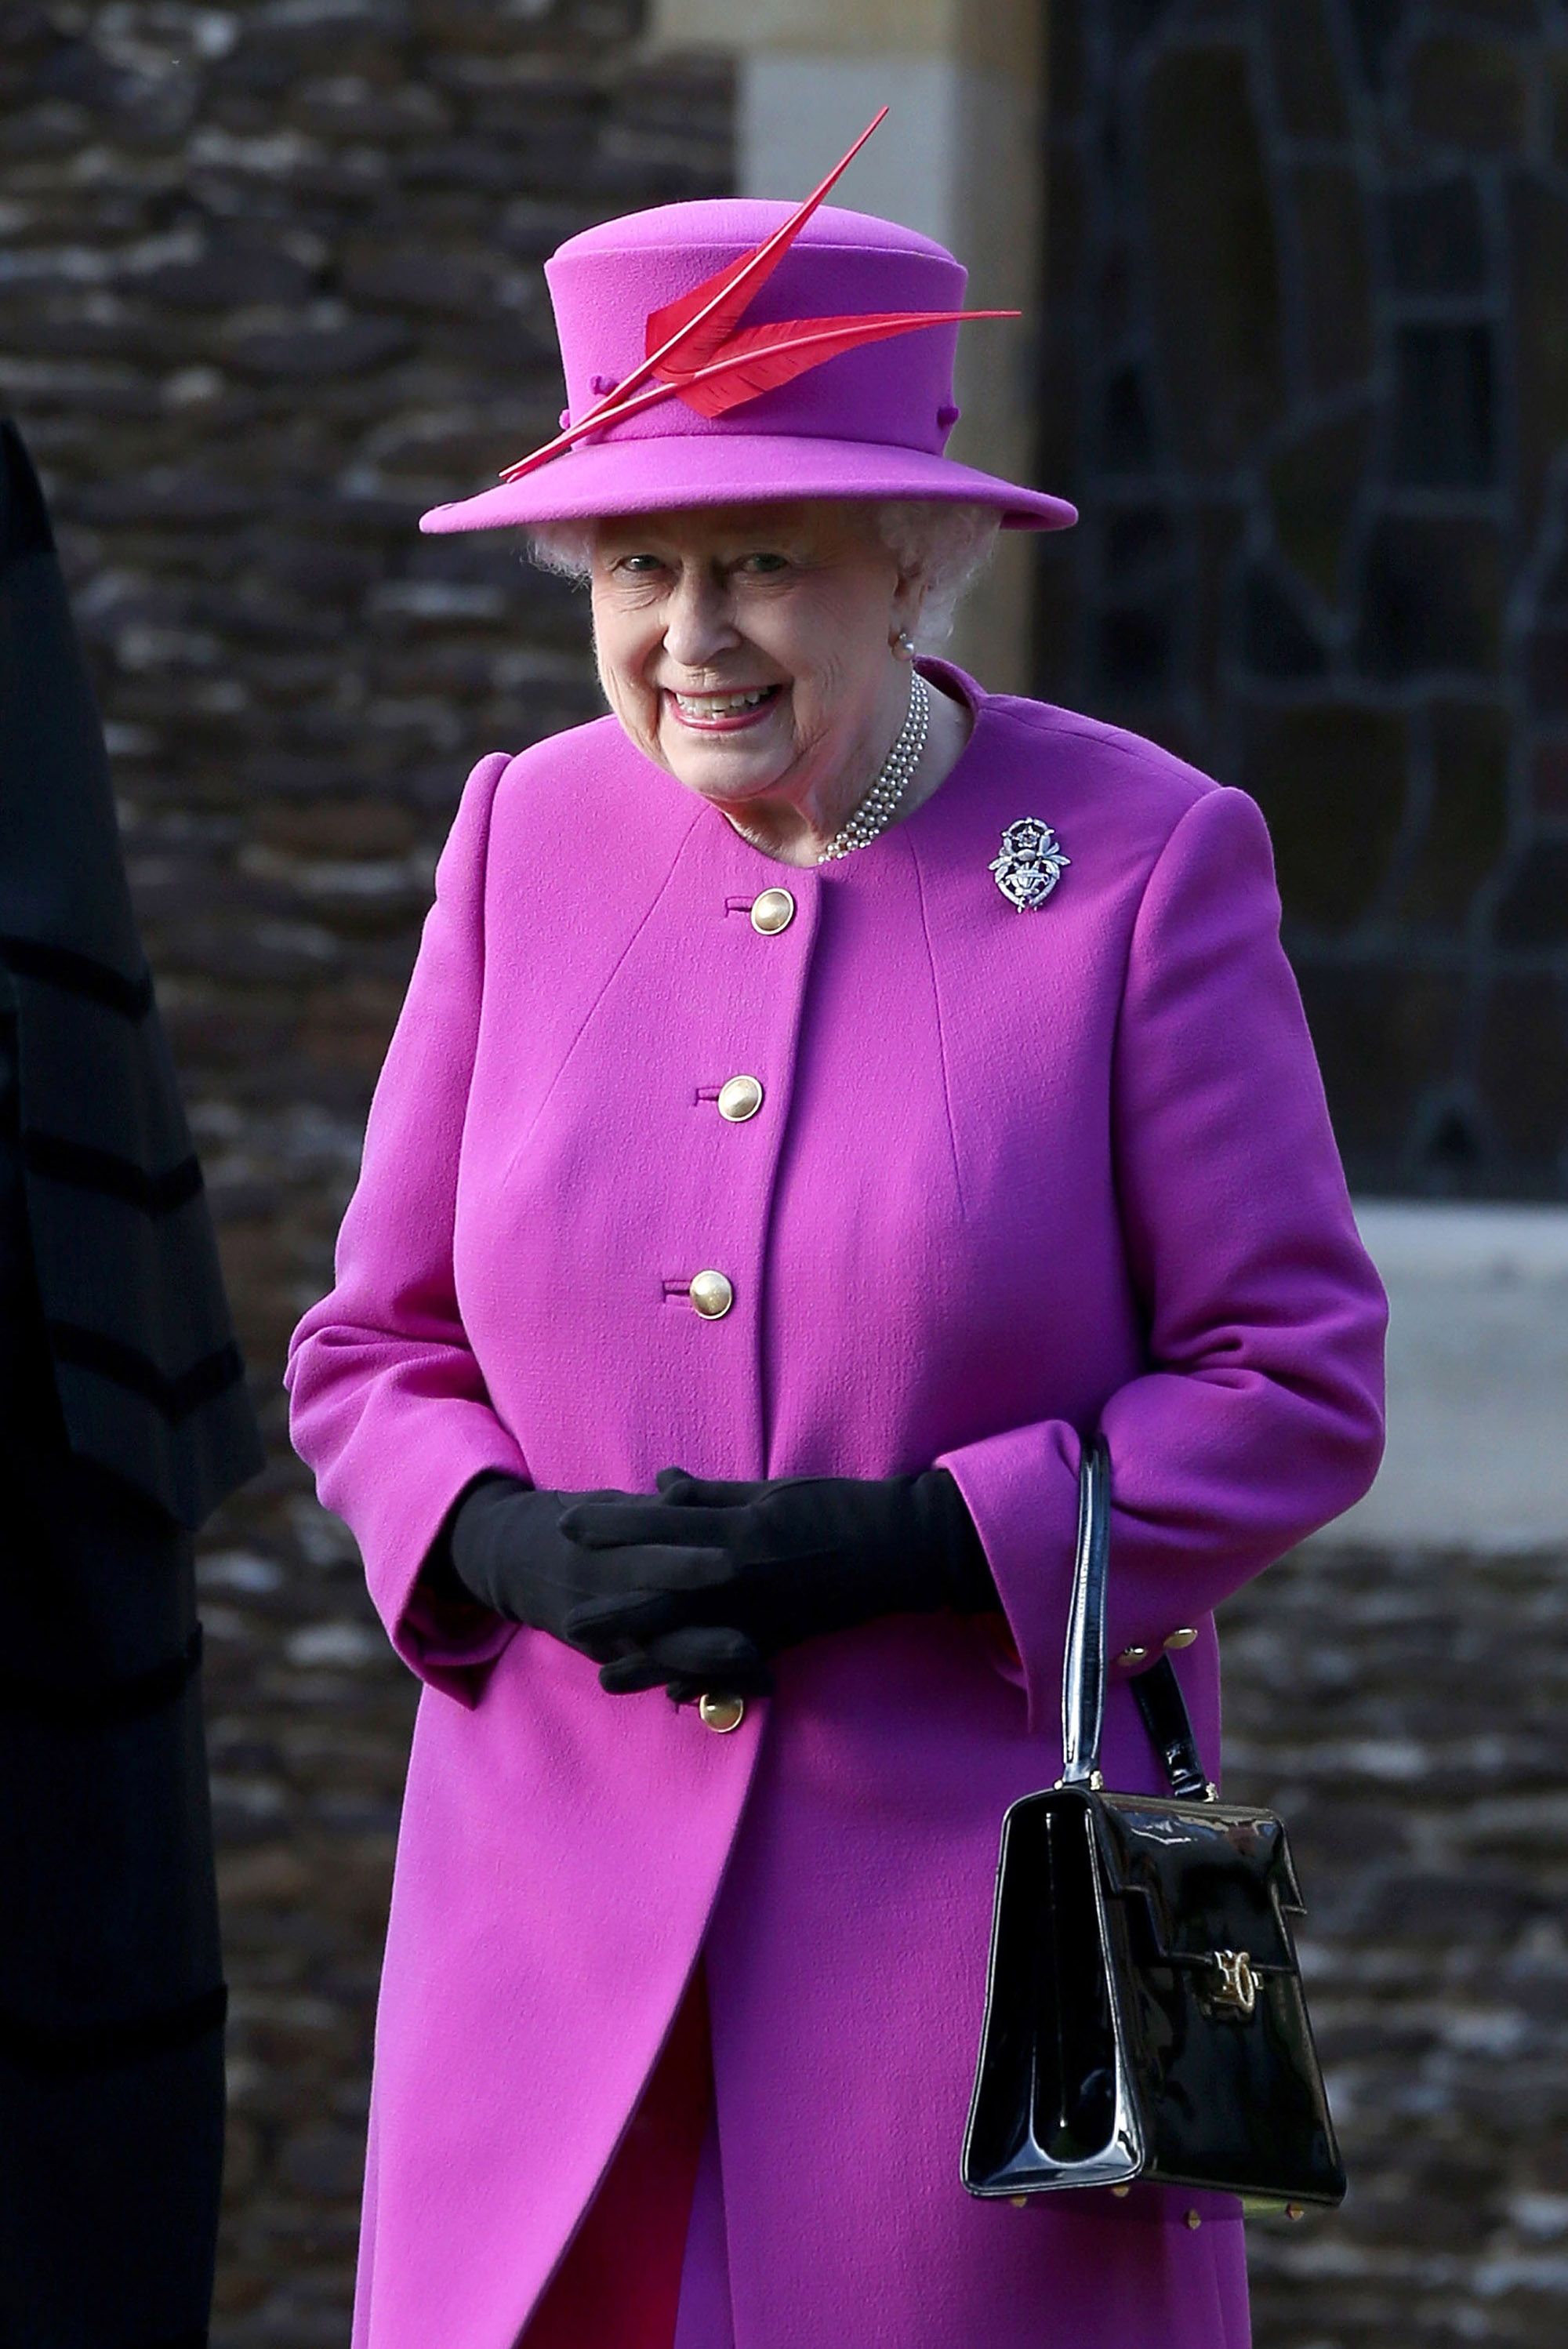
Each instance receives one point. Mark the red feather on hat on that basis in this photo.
(758, 358)
(696, 352)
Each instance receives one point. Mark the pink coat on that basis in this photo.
(1016, 1174)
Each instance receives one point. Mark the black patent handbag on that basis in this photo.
(1144, 2014)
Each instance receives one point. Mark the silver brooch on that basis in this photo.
(1030, 865)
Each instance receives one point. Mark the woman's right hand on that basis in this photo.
(503, 1545)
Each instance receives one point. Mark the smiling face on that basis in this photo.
(750, 651)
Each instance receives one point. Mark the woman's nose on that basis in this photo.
(698, 622)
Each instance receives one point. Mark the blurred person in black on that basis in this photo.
(123, 1421)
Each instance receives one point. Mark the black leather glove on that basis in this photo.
(503, 1546)
(778, 1562)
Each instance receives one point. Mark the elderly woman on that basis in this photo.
(827, 1092)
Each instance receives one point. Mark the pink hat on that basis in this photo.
(842, 373)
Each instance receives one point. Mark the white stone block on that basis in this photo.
(1478, 1377)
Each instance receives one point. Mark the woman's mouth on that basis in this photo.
(722, 713)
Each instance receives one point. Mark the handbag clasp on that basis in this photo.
(1238, 1988)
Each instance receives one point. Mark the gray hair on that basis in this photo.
(946, 543)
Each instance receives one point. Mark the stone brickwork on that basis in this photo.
(1408, 1714)
(269, 284)
(1306, 368)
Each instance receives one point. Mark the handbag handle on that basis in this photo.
(1083, 1672)
(1158, 1691)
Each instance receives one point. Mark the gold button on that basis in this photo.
(1130, 1655)
(774, 910)
(1122, 2192)
(1194, 2218)
(1019, 2201)
(711, 1295)
(1183, 1638)
(721, 1712)
(739, 1099)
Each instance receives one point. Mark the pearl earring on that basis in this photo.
(904, 643)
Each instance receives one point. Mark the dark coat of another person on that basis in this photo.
(123, 1421)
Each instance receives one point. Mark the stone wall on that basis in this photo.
(269, 284)
(1408, 1713)
(1306, 367)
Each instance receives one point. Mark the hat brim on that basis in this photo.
(672, 471)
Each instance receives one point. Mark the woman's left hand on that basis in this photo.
(785, 1560)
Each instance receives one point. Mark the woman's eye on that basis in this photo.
(765, 563)
(639, 565)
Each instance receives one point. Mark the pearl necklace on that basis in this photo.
(880, 805)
